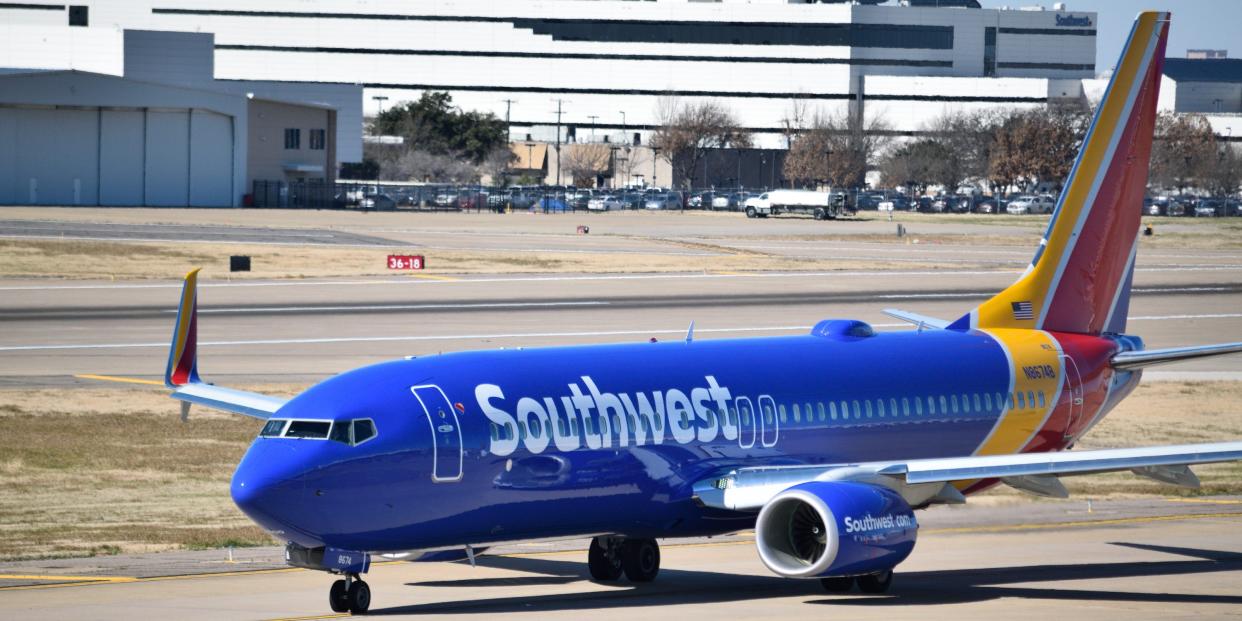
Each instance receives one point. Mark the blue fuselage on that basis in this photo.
(501, 445)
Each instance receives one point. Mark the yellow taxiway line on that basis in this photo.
(123, 380)
(433, 277)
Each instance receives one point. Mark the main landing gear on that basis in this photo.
(609, 557)
(350, 595)
(871, 583)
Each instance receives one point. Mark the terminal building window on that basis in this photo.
(79, 15)
(293, 138)
(316, 139)
(989, 52)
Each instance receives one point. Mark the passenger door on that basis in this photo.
(446, 440)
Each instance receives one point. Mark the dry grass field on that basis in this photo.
(114, 470)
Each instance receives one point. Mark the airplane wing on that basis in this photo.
(181, 375)
(929, 481)
(916, 319)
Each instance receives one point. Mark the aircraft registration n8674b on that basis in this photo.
(806, 439)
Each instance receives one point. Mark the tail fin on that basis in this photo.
(183, 354)
(1079, 279)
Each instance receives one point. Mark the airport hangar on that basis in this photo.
(159, 129)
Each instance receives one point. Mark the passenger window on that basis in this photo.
(845, 410)
(905, 406)
(1030, 398)
(1011, 400)
(823, 414)
(987, 400)
(810, 414)
(316, 429)
(978, 404)
(797, 413)
(273, 428)
(918, 406)
(508, 431)
(944, 405)
(867, 404)
(364, 430)
(857, 410)
(953, 402)
(1041, 399)
(784, 416)
(767, 414)
(931, 406)
(1021, 401)
(832, 409)
(892, 407)
(879, 405)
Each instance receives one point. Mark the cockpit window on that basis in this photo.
(308, 429)
(364, 430)
(273, 428)
(353, 432)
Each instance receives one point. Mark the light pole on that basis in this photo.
(530, 164)
(379, 100)
(624, 129)
(508, 133)
(593, 117)
(655, 157)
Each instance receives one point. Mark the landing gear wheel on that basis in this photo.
(876, 583)
(604, 559)
(640, 558)
(359, 598)
(750, 212)
(837, 584)
(338, 597)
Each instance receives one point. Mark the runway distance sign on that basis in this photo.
(405, 262)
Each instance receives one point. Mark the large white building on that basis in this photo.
(608, 62)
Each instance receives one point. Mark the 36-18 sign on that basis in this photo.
(405, 262)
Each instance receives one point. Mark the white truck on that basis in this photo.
(819, 204)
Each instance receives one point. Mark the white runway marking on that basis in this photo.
(517, 335)
(466, 279)
(299, 309)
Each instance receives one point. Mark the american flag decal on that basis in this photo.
(1022, 310)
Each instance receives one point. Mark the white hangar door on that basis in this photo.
(54, 156)
(168, 158)
(120, 142)
(211, 159)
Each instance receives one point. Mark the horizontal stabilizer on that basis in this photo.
(923, 321)
(1150, 357)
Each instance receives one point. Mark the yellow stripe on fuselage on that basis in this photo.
(1035, 286)
(1036, 370)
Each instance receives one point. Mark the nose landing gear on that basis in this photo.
(609, 557)
(351, 595)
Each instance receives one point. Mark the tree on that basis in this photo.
(1033, 146)
(1226, 172)
(917, 165)
(837, 149)
(433, 125)
(398, 163)
(688, 130)
(584, 162)
(967, 141)
(1184, 151)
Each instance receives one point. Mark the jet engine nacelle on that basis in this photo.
(834, 528)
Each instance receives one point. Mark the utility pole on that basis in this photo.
(625, 130)
(380, 99)
(508, 134)
(558, 140)
(592, 117)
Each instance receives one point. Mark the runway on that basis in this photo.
(1153, 559)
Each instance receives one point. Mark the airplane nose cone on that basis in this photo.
(268, 485)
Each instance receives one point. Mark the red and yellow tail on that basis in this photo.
(183, 354)
(1079, 280)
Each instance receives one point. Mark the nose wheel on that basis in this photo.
(610, 557)
(351, 595)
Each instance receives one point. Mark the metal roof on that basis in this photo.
(1203, 69)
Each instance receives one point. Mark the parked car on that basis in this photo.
(1029, 204)
(378, 201)
(605, 202)
(894, 202)
(666, 200)
(1208, 208)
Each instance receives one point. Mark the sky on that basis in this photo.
(1197, 24)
